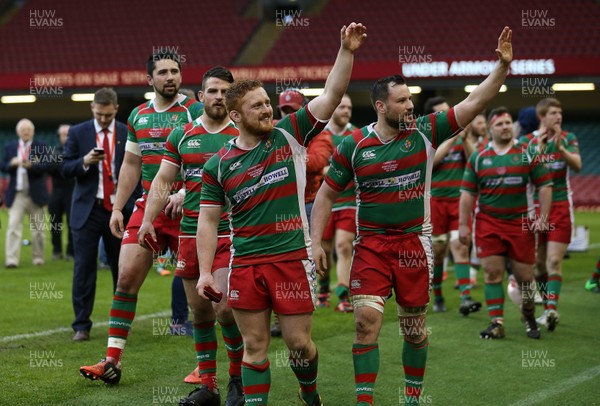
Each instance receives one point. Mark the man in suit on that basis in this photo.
(93, 156)
(26, 162)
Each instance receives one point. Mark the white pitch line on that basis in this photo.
(8, 339)
(561, 387)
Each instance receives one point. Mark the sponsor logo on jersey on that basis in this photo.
(402, 180)
(267, 179)
(487, 161)
(355, 284)
(181, 264)
(193, 173)
(234, 294)
(143, 120)
(513, 180)
(491, 182)
(193, 144)
(152, 146)
(453, 157)
(558, 165)
(126, 234)
(407, 145)
(370, 154)
(234, 166)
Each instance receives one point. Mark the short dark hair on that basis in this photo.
(159, 54)
(496, 112)
(106, 96)
(218, 72)
(431, 103)
(238, 90)
(380, 90)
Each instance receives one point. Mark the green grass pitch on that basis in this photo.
(560, 369)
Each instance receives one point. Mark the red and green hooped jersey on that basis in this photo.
(554, 163)
(149, 129)
(264, 190)
(189, 148)
(392, 178)
(447, 177)
(501, 180)
(346, 199)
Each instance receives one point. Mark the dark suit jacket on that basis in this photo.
(39, 158)
(80, 140)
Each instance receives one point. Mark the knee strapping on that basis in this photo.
(374, 302)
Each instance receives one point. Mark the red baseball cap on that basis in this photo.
(291, 98)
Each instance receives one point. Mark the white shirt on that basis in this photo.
(22, 177)
(100, 140)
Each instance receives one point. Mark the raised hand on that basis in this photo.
(504, 50)
(353, 36)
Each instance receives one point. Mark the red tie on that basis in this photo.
(107, 180)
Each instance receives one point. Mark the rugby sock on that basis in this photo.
(438, 272)
(414, 358)
(306, 373)
(342, 291)
(494, 299)
(235, 347)
(366, 367)
(122, 312)
(324, 285)
(542, 286)
(256, 378)
(205, 341)
(553, 291)
(463, 277)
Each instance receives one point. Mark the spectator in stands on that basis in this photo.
(93, 156)
(26, 162)
(60, 199)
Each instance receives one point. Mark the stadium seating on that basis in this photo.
(188, 26)
(392, 24)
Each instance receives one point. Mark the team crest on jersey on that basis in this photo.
(234, 166)
(407, 146)
(501, 170)
(193, 144)
(268, 146)
(515, 159)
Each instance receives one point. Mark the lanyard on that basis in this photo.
(106, 164)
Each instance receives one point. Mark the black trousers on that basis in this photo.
(85, 270)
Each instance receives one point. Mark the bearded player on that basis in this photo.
(260, 176)
(149, 125)
(391, 162)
